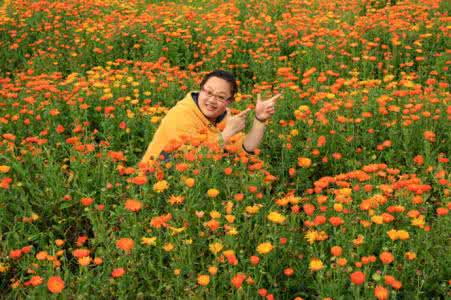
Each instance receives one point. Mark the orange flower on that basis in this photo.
(138, 180)
(304, 162)
(125, 244)
(238, 279)
(358, 277)
(380, 293)
(86, 201)
(133, 205)
(288, 272)
(336, 251)
(78, 253)
(118, 272)
(55, 284)
(189, 182)
(212, 193)
(254, 260)
(316, 264)
(203, 280)
(386, 257)
(429, 136)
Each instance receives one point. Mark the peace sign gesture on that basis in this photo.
(265, 109)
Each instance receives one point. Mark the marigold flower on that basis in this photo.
(288, 272)
(304, 162)
(409, 255)
(118, 272)
(238, 279)
(149, 241)
(78, 253)
(358, 277)
(133, 205)
(264, 248)
(212, 193)
(254, 260)
(4, 169)
(386, 257)
(215, 248)
(212, 270)
(55, 284)
(161, 186)
(125, 244)
(84, 261)
(86, 201)
(203, 280)
(189, 182)
(381, 293)
(275, 217)
(176, 200)
(336, 251)
(316, 264)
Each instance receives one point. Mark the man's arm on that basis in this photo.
(263, 112)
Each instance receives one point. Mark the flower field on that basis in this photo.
(348, 196)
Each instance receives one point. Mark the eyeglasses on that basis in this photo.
(210, 94)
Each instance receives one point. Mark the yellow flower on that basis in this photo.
(168, 247)
(152, 241)
(377, 219)
(316, 264)
(3, 268)
(403, 235)
(419, 222)
(215, 248)
(275, 217)
(176, 230)
(311, 236)
(410, 255)
(215, 214)
(188, 242)
(4, 169)
(393, 234)
(212, 193)
(161, 186)
(253, 209)
(264, 248)
(231, 231)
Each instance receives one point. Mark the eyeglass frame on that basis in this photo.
(217, 97)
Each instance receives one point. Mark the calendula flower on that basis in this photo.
(304, 162)
(125, 244)
(386, 257)
(118, 272)
(358, 277)
(55, 284)
(133, 205)
(275, 217)
(161, 186)
(203, 280)
(264, 248)
(168, 247)
(316, 264)
(215, 248)
(176, 200)
(149, 241)
(212, 193)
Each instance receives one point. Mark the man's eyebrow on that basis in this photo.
(220, 92)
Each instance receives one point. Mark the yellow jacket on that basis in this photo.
(185, 122)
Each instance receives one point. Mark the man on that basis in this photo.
(206, 113)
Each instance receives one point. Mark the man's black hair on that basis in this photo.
(227, 76)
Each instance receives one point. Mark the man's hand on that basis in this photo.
(265, 109)
(235, 124)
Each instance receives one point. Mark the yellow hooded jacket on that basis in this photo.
(185, 120)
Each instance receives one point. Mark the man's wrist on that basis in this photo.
(261, 120)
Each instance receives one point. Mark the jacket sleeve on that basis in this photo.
(176, 127)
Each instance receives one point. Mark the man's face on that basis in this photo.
(214, 97)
